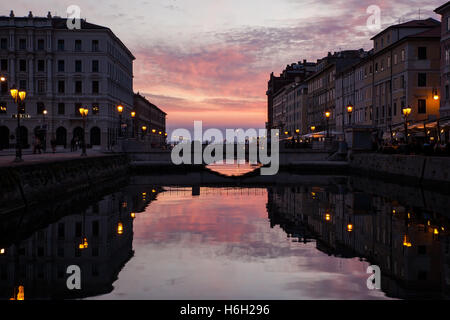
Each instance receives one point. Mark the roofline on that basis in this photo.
(439, 9)
(400, 26)
(148, 102)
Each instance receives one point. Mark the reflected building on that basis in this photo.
(98, 240)
(409, 244)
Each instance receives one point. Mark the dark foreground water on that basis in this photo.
(309, 239)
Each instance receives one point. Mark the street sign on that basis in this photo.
(22, 116)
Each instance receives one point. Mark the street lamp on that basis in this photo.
(120, 110)
(313, 128)
(406, 112)
(18, 97)
(84, 112)
(2, 79)
(144, 131)
(44, 129)
(327, 116)
(133, 116)
(435, 94)
(349, 111)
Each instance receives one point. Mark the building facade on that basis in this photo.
(294, 73)
(61, 71)
(322, 88)
(153, 118)
(444, 11)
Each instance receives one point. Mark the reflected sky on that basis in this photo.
(219, 245)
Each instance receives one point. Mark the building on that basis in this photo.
(61, 71)
(289, 109)
(444, 11)
(322, 87)
(153, 118)
(294, 73)
(405, 71)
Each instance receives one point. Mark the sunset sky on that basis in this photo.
(210, 60)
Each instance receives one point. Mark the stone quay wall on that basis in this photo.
(29, 184)
(412, 167)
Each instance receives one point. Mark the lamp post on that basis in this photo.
(84, 112)
(406, 112)
(327, 116)
(350, 111)
(435, 94)
(133, 116)
(144, 131)
(18, 97)
(120, 110)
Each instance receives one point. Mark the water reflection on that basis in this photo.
(310, 239)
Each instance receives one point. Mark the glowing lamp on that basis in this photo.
(313, 128)
(2, 79)
(327, 217)
(14, 92)
(120, 228)
(349, 227)
(22, 95)
(328, 114)
(2, 251)
(133, 215)
(435, 94)
(436, 231)
(133, 114)
(144, 128)
(350, 108)
(120, 108)
(407, 111)
(298, 130)
(21, 294)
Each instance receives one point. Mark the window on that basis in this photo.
(95, 66)
(61, 86)
(4, 65)
(78, 229)
(77, 45)
(60, 45)
(447, 92)
(395, 108)
(448, 23)
(41, 86)
(403, 55)
(3, 107)
(23, 65)
(78, 87)
(402, 82)
(41, 65)
(78, 66)
(422, 80)
(389, 62)
(95, 87)
(22, 44)
(395, 59)
(40, 107)
(61, 108)
(40, 44)
(4, 87)
(78, 105)
(22, 84)
(422, 53)
(95, 46)
(4, 43)
(61, 230)
(422, 106)
(61, 65)
(95, 108)
(95, 228)
(376, 67)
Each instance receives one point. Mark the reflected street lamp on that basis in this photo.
(406, 112)
(18, 97)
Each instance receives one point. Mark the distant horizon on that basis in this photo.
(210, 61)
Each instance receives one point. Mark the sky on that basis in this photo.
(210, 60)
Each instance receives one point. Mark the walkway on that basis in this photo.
(7, 157)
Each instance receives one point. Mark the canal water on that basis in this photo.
(313, 238)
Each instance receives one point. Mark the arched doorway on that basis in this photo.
(95, 136)
(78, 133)
(4, 137)
(61, 137)
(23, 137)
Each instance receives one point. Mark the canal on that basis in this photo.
(311, 238)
